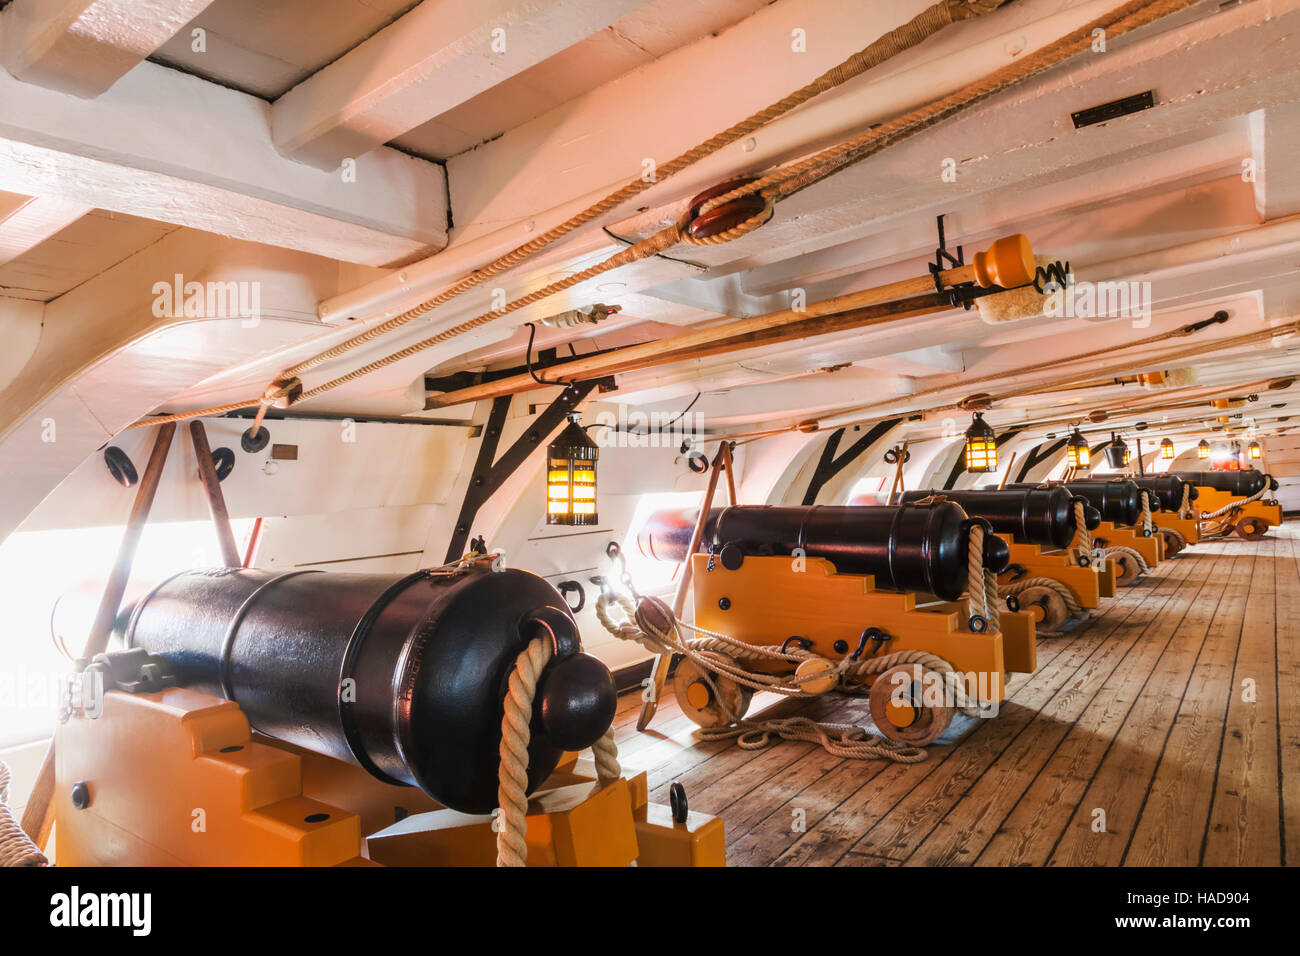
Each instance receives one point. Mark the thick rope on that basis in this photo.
(512, 782)
(1130, 553)
(16, 847)
(717, 655)
(982, 584)
(1082, 536)
(512, 787)
(773, 187)
(1185, 508)
(1115, 23)
(1237, 503)
(884, 48)
(842, 740)
(1179, 538)
(1144, 520)
(1073, 608)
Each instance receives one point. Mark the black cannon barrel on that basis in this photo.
(1042, 516)
(909, 547)
(1167, 489)
(1118, 500)
(1239, 484)
(402, 675)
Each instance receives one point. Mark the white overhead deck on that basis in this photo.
(354, 158)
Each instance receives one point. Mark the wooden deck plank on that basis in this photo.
(1120, 783)
(928, 790)
(1029, 833)
(1287, 688)
(834, 781)
(964, 832)
(1139, 712)
(1178, 801)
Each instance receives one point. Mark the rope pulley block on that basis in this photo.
(730, 214)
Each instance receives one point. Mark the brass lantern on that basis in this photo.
(1203, 449)
(1077, 453)
(1167, 449)
(981, 446)
(571, 477)
(1255, 451)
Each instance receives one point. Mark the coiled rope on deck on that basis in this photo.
(651, 623)
(512, 780)
(16, 847)
(773, 187)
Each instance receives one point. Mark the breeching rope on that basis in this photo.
(1148, 525)
(717, 655)
(773, 187)
(982, 583)
(512, 781)
(16, 847)
(1185, 508)
(652, 624)
(1235, 504)
(1082, 545)
(1133, 555)
(1072, 607)
(1082, 538)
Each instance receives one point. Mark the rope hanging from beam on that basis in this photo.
(773, 187)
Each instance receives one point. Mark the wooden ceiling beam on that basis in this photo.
(424, 64)
(26, 224)
(174, 148)
(83, 47)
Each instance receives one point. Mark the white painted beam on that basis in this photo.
(175, 148)
(100, 357)
(85, 46)
(1275, 139)
(426, 63)
(535, 176)
(27, 224)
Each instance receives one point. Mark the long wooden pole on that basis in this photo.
(37, 818)
(844, 313)
(216, 500)
(1007, 474)
(729, 468)
(659, 670)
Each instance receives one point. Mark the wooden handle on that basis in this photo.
(216, 500)
(37, 818)
(659, 671)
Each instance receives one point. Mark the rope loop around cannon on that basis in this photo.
(512, 782)
(1235, 504)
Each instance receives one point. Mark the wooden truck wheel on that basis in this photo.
(1252, 529)
(697, 700)
(898, 710)
(1047, 606)
(1126, 569)
(1174, 542)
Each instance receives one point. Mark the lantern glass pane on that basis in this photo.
(981, 454)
